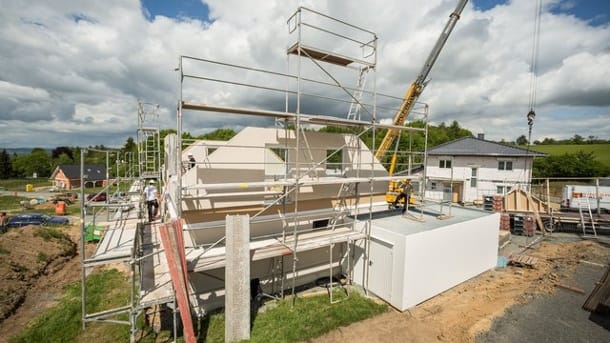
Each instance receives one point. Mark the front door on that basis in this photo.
(380, 269)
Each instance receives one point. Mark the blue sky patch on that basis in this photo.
(595, 12)
(177, 9)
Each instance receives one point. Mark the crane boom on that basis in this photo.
(417, 87)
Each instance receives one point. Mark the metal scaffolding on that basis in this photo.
(347, 53)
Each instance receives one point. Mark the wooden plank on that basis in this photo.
(570, 288)
(319, 55)
(600, 293)
(176, 268)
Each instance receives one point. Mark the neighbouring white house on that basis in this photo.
(467, 169)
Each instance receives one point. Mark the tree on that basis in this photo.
(37, 162)
(579, 164)
(577, 139)
(130, 146)
(521, 140)
(55, 153)
(62, 159)
(6, 167)
(219, 135)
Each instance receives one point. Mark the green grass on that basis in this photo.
(309, 318)
(11, 203)
(42, 257)
(4, 251)
(48, 233)
(106, 289)
(600, 151)
(19, 184)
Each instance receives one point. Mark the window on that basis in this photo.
(280, 152)
(503, 189)
(473, 177)
(334, 159)
(444, 163)
(505, 165)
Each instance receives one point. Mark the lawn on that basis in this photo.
(601, 151)
(281, 322)
(19, 184)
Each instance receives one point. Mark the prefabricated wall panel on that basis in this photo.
(312, 265)
(420, 263)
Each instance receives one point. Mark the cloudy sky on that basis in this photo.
(71, 72)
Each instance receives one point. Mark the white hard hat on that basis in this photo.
(151, 181)
(190, 155)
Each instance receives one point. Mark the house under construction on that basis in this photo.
(282, 205)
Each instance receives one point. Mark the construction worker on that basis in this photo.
(405, 193)
(152, 204)
(191, 161)
(3, 222)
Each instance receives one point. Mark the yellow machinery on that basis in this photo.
(411, 96)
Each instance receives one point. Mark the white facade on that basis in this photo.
(469, 178)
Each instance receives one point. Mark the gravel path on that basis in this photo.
(558, 317)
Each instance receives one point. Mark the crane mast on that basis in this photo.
(417, 87)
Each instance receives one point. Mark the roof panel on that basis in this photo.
(470, 146)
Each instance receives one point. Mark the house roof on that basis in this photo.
(471, 146)
(94, 172)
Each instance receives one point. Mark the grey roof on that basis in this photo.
(93, 172)
(470, 146)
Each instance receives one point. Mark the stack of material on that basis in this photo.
(524, 261)
(599, 299)
(498, 203)
(505, 221)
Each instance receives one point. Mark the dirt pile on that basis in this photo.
(26, 254)
(462, 312)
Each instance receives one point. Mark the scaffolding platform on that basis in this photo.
(320, 55)
(156, 286)
(117, 243)
(199, 259)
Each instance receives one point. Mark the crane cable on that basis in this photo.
(533, 80)
(534, 68)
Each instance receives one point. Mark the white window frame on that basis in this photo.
(504, 165)
(445, 163)
(474, 172)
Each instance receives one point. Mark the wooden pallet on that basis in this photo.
(524, 261)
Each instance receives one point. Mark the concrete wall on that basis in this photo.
(311, 265)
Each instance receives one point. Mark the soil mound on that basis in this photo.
(26, 254)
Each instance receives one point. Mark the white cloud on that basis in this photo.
(71, 72)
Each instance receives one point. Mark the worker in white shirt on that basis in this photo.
(152, 203)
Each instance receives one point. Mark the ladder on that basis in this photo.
(149, 142)
(355, 105)
(340, 209)
(584, 204)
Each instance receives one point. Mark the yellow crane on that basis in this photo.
(411, 96)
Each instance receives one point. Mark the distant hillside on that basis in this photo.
(19, 151)
(601, 151)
